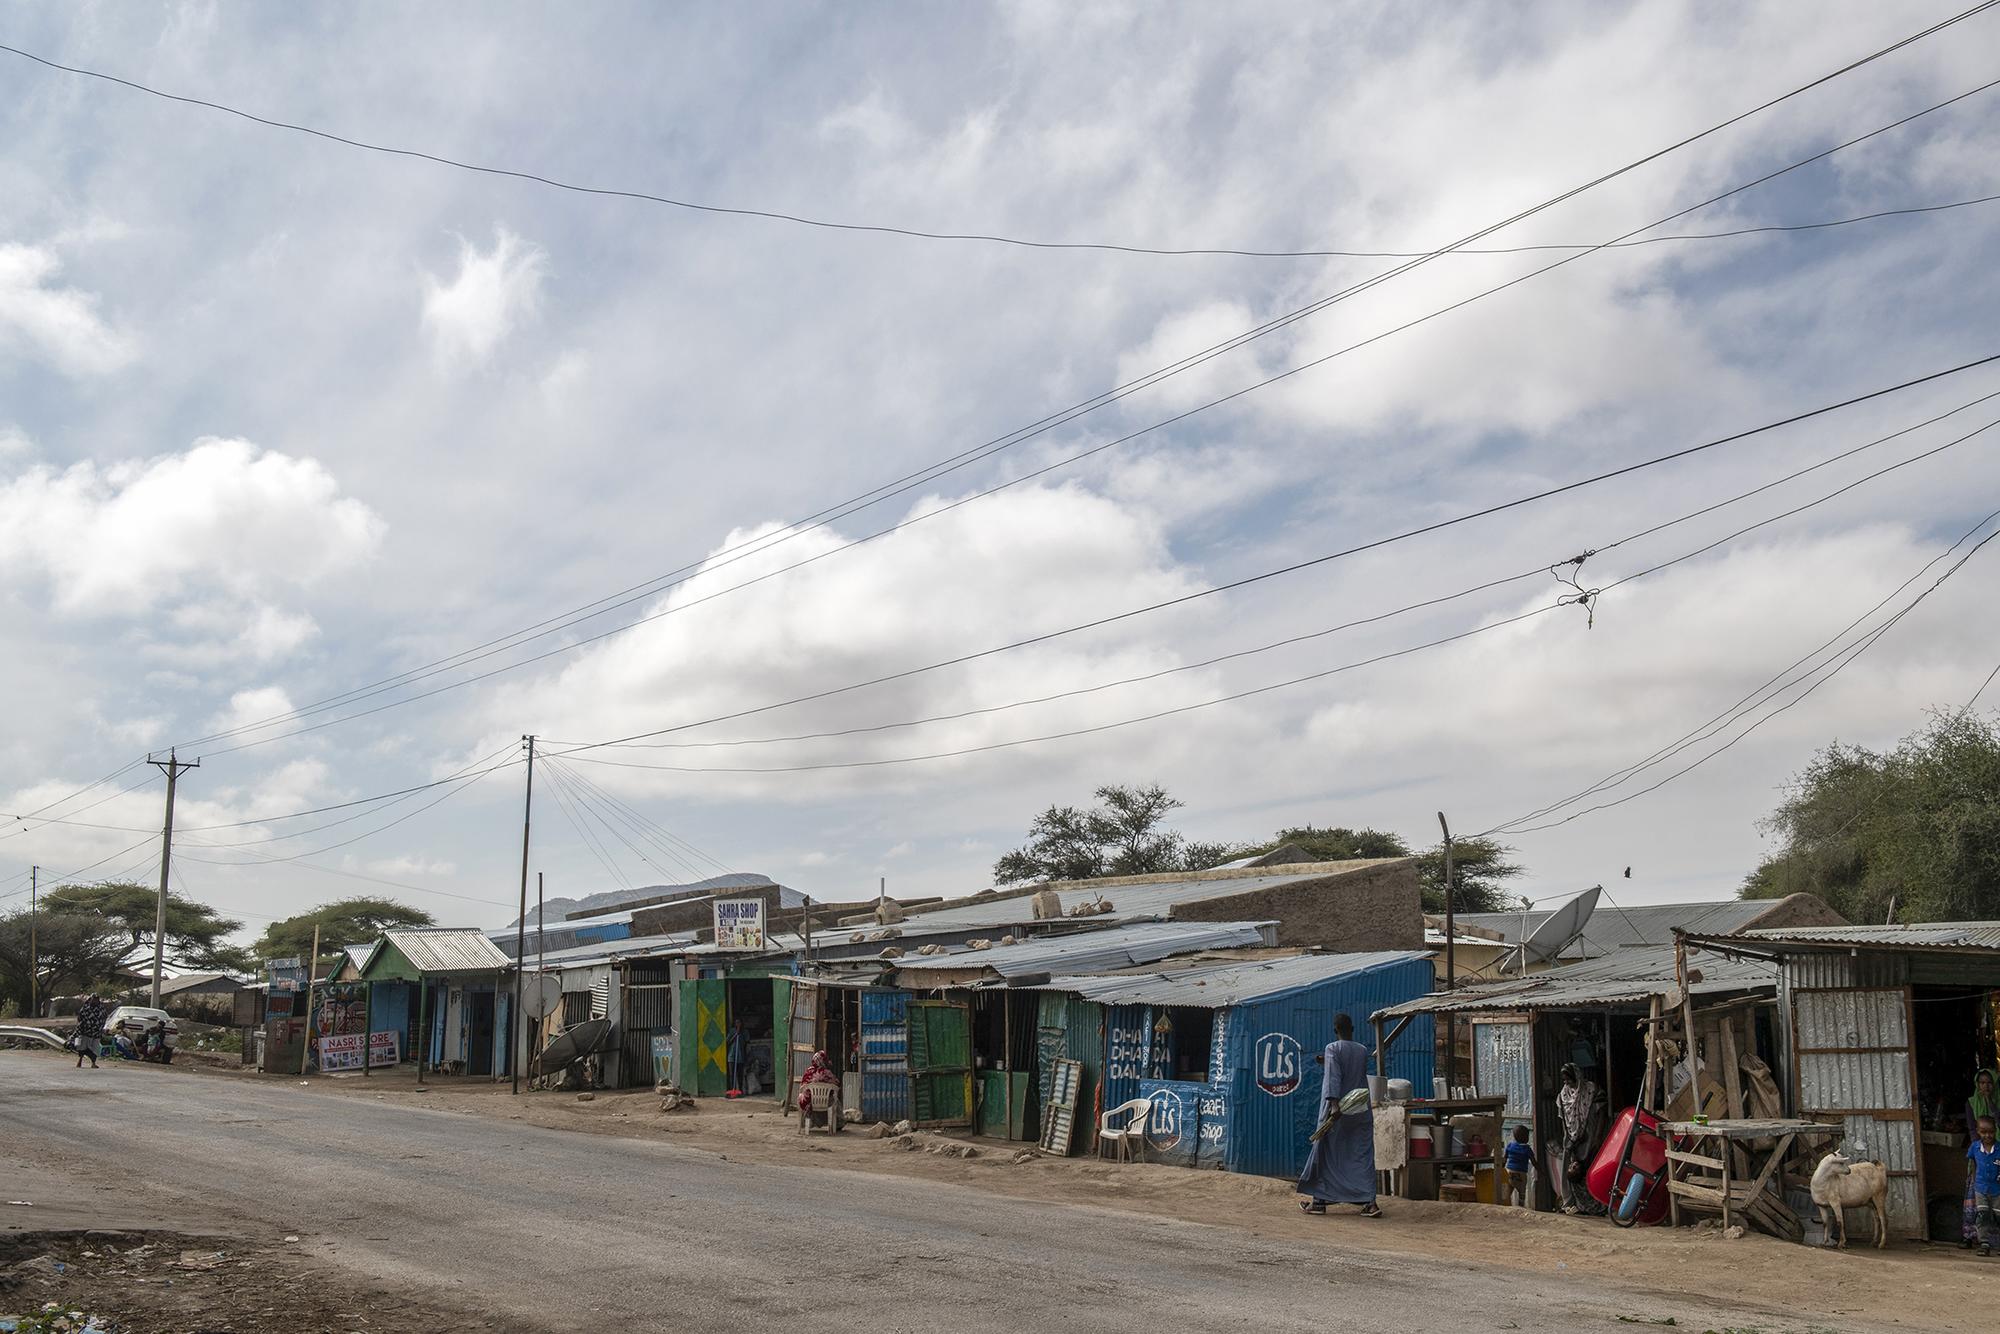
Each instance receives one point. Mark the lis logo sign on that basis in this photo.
(1164, 1126)
(1279, 1064)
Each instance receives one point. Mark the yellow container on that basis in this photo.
(1485, 1184)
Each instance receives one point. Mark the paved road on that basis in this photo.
(553, 1230)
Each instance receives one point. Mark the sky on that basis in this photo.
(295, 431)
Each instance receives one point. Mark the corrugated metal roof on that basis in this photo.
(1129, 902)
(1096, 951)
(1611, 928)
(1221, 985)
(1931, 935)
(448, 949)
(604, 951)
(1630, 975)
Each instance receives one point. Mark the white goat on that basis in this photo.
(1839, 1183)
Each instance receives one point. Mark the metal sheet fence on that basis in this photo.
(1070, 1028)
(885, 1051)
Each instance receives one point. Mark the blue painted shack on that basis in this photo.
(1228, 1052)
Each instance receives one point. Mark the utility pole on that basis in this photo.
(34, 948)
(173, 769)
(521, 924)
(1450, 960)
(541, 952)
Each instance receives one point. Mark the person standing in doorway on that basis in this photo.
(89, 1029)
(1341, 1167)
(735, 1054)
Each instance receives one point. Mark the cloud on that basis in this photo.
(251, 706)
(903, 849)
(14, 443)
(222, 517)
(815, 858)
(59, 325)
(494, 292)
(408, 864)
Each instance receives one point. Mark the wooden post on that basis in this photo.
(1726, 1157)
(1381, 1052)
(1006, 1059)
(367, 1022)
(312, 968)
(423, 1024)
(1450, 964)
(1693, 1043)
(1646, 1084)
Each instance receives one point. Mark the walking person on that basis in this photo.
(89, 1029)
(1982, 1103)
(1341, 1167)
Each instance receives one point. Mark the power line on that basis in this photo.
(1539, 571)
(1163, 713)
(652, 831)
(1748, 702)
(1982, 689)
(1297, 566)
(931, 473)
(1842, 662)
(826, 224)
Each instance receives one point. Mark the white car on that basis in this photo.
(133, 1020)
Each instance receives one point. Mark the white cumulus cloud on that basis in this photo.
(59, 325)
(493, 293)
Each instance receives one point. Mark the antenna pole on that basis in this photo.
(1450, 958)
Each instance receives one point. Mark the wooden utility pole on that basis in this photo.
(1450, 963)
(34, 946)
(173, 769)
(521, 924)
(312, 967)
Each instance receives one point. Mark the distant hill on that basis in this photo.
(557, 910)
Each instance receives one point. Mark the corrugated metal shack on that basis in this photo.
(980, 1047)
(444, 991)
(1524, 1029)
(1882, 1029)
(1227, 1051)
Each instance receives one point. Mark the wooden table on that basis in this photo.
(1706, 1175)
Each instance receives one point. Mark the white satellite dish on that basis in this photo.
(540, 992)
(1555, 933)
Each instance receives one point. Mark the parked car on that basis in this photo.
(133, 1021)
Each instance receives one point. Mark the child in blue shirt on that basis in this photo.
(1520, 1154)
(1985, 1156)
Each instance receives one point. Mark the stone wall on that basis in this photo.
(1378, 906)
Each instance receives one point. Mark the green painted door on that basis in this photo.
(941, 1063)
(703, 1040)
(781, 1047)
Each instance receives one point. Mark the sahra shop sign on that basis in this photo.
(342, 1051)
(739, 924)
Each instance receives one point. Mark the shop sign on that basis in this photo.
(739, 924)
(342, 1051)
(1280, 1064)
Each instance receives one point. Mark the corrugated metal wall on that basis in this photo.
(1852, 1046)
(1500, 1066)
(885, 1048)
(1128, 1042)
(1273, 1074)
(1072, 1029)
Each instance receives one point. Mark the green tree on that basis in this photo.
(85, 933)
(1123, 835)
(1918, 826)
(1480, 865)
(342, 922)
(196, 935)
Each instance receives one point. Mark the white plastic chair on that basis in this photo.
(1132, 1132)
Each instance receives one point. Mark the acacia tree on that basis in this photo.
(342, 922)
(1122, 835)
(85, 933)
(1479, 865)
(1918, 826)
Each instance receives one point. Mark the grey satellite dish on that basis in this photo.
(1555, 933)
(540, 992)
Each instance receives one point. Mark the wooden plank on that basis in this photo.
(1726, 1220)
(1687, 1190)
(1732, 1082)
(1777, 1155)
(1698, 1159)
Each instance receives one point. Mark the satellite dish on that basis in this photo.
(540, 992)
(1555, 933)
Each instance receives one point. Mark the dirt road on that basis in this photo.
(540, 1228)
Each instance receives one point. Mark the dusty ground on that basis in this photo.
(1917, 1286)
(724, 1219)
(165, 1282)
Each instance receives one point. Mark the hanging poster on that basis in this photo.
(342, 1051)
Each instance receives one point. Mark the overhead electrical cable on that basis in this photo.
(1312, 563)
(461, 784)
(59, 881)
(803, 220)
(656, 833)
(1753, 699)
(924, 476)
(589, 840)
(1133, 721)
(1538, 572)
(1848, 656)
